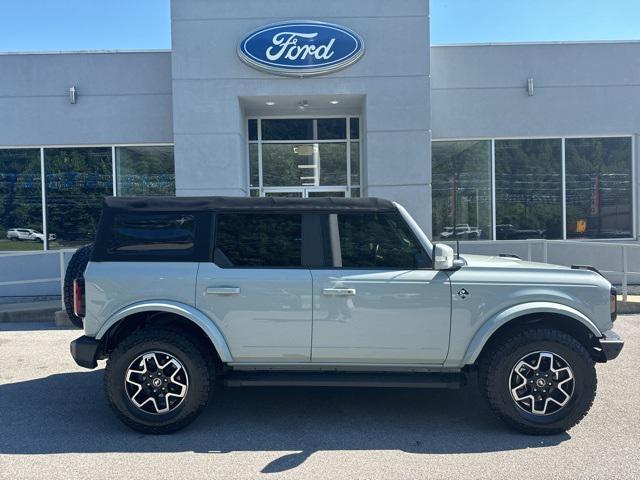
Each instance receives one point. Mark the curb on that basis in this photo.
(29, 312)
(62, 319)
(626, 308)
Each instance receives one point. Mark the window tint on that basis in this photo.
(253, 130)
(287, 129)
(258, 240)
(153, 234)
(332, 128)
(355, 128)
(378, 240)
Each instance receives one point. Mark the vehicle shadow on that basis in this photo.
(67, 413)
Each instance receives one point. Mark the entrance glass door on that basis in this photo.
(304, 157)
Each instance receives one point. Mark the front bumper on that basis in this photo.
(85, 350)
(610, 345)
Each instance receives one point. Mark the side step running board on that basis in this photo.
(344, 379)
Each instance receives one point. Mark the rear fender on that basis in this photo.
(186, 311)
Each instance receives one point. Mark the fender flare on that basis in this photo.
(485, 332)
(194, 315)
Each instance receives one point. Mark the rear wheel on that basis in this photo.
(157, 381)
(539, 380)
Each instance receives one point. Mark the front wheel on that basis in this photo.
(157, 381)
(540, 380)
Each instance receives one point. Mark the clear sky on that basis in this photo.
(52, 25)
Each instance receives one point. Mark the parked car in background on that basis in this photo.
(463, 231)
(26, 234)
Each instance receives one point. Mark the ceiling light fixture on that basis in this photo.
(334, 102)
(270, 103)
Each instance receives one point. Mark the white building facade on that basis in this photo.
(480, 142)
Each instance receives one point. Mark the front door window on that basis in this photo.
(304, 157)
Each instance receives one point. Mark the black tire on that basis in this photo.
(75, 269)
(182, 348)
(496, 373)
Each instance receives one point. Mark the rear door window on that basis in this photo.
(258, 240)
(376, 240)
(169, 235)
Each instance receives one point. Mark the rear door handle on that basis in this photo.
(222, 290)
(339, 292)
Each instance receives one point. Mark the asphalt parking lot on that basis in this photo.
(55, 423)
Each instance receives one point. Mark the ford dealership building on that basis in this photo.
(337, 98)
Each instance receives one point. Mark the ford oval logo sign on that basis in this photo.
(301, 48)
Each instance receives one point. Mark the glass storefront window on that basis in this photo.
(77, 179)
(528, 189)
(145, 170)
(461, 184)
(599, 187)
(20, 200)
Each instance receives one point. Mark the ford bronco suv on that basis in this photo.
(180, 294)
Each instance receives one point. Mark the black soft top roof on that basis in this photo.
(168, 204)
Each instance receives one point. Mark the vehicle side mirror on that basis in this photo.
(442, 257)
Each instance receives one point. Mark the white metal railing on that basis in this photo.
(47, 271)
(614, 260)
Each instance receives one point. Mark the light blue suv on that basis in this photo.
(181, 294)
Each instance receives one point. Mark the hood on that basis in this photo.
(507, 262)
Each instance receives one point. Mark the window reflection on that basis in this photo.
(461, 182)
(20, 200)
(77, 179)
(599, 187)
(528, 189)
(147, 170)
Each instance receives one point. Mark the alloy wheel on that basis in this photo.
(156, 382)
(541, 383)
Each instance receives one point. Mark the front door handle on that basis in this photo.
(340, 292)
(222, 290)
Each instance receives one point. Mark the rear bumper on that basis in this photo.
(84, 351)
(610, 345)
